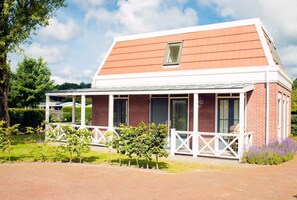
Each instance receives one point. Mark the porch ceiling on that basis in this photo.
(158, 89)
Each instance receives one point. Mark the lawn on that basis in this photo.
(30, 148)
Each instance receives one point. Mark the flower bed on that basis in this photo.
(273, 154)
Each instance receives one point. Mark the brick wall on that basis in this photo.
(100, 110)
(206, 115)
(256, 112)
(138, 109)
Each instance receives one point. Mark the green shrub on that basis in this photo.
(294, 124)
(26, 117)
(142, 141)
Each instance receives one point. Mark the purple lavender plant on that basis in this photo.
(274, 153)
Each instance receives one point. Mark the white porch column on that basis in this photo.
(172, 141)
(47, 110)
(110, 112)
(73, 109)
(83, 111)
(241, 125)
(195, 124)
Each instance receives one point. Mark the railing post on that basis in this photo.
(172, 141)
(195, 125)
(110, 112)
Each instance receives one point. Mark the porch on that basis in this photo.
(181, 108)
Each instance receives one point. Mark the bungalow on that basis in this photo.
(220, 88)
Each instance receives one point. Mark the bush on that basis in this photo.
(294, 124)
(273, 154)
(26, 117)
(142, 141)
(77, 142)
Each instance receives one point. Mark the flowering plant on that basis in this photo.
(272, 154)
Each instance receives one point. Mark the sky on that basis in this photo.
(79, 36)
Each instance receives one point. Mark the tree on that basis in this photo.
(29, 83)
(18, 18)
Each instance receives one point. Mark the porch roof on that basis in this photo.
(157, 89)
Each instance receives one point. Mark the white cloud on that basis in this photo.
(279, 17)
(59, 31)
(71, 74)
(134, 16)
(52, 55)
(85, 4)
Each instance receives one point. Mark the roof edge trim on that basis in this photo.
(206, 27)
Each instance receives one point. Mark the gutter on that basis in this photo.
(267, 108)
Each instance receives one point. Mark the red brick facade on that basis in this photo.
(255, 111)
(138, 109)
(100, 110)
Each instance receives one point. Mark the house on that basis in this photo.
(200, 81)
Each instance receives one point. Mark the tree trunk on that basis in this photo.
(4, 88)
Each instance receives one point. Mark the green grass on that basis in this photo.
(26, 148)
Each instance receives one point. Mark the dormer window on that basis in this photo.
(173, 53)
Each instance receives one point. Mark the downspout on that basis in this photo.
(267, 108)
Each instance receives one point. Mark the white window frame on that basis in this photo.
(167, 64)
(125, 97)
(279, 116)
(284, 117)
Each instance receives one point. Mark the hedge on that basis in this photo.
(294, 124)
(26, 117)
(67, 114)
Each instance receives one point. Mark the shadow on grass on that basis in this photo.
(142, 163)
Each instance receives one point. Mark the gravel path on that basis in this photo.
(75, 181)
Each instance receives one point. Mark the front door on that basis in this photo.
(228, 114)
(159, 110)
(179, 114)
(120, 112)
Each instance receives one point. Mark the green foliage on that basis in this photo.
(272, 154)
(142, 141)
(29, 83)
(67, 114)
(18, 19)
(69, 86)
(5, 137)
(22, 146)
(294, 124)
(77, 142)
(27, 117)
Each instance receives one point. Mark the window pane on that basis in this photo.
(173, 53)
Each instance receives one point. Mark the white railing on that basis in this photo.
(98, 137)
(221, 145)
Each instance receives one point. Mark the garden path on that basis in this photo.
(85, 181)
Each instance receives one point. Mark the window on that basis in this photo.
(173, 53)
(120, 112)
(279, 116)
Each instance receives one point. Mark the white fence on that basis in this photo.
(98, 137)
(221, 145)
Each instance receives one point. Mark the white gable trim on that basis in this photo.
(103, 61)
(265, 46)
(207, 27)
